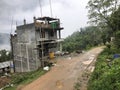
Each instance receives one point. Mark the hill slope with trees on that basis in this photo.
(85, 38)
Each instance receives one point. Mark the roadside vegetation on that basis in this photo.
(106, 13)
(107, 71)
(105, 16)
(18, 80)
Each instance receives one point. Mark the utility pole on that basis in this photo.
(40, 7)
(50, 7)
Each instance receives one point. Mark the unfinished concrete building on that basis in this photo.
(33, 42)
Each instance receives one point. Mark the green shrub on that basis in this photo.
(106, 74)
(24, 78)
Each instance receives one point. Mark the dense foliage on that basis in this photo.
(106, 73)
(100, 12)
(115, 17)
(85, 38)
(5, 55)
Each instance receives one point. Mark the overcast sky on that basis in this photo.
(72, 13)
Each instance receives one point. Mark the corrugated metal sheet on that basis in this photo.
(6, 64)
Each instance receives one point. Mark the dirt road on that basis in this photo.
(65, 73)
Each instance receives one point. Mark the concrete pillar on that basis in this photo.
(60, 46)
(21, 59)
(58, 22)
(28, 64)
(59, 35)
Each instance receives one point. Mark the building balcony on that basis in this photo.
(50, 26)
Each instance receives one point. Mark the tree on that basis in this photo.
(117, 40)
(5, 55)
(100, 12)
(115, 19)
(85, 38)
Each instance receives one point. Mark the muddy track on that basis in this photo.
(66, 73)
(89, 66)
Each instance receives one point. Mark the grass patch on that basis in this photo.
(24, 78)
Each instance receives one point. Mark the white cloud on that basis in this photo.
(72, 17)
(72, 14)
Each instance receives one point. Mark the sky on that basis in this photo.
(72, 13)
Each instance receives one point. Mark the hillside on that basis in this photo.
(85, 38)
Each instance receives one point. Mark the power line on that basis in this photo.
(40, 8)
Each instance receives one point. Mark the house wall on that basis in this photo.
(25, 52)
(48, 35)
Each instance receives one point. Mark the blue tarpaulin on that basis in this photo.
(116, 56)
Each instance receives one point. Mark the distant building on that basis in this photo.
(33, 42)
